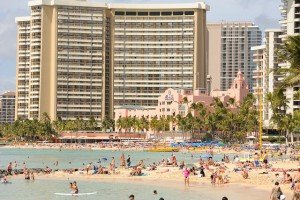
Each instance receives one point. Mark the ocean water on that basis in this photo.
(40, 158)
(44, 189)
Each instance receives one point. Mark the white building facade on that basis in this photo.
(230, 51)
(290, 24)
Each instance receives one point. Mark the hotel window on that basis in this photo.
(154, 13)
(166, 14)
(119, 13)
(178, 13)
(189, 13)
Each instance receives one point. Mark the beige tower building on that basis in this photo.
(157, 47)
(230, 51)
(60, 60)
(82, 59)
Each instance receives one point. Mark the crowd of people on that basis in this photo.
(217, 170)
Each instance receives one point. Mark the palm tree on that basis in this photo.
(182, 124)
(290, 52)
(144, 123)
(108, 124)
(136, 124)
(120, 124)
(92, 123)
(154, 125)
(59, 125)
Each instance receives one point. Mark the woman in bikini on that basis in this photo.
(186, 174)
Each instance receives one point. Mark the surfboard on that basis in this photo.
(79, 194)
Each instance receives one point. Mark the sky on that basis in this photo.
(264, 13)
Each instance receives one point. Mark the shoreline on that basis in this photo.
(173, 179)
(82, 147)
(195, 186)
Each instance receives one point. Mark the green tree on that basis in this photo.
(154, 125)
(290, 52)
(144, 123)
(108, 124)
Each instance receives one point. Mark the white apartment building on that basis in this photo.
(260, 75)
(230, 51)
(265, 80)
(82, 59)
(290, 24)
(23, 68)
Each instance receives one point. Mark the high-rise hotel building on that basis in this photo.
(7, 107)
(290, 25)
(230, 51)
(155, 48)
(82, 59)
(265, 79)
(61, 60)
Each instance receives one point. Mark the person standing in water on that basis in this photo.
(9, 168)
(113, 164)
(32, 175)
(186, 174)
(122, 160)
(128, 161)
(74, 188)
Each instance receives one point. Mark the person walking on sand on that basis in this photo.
(186, 174)
(276, 192)
(88, 167)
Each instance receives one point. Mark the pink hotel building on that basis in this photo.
(171, 101)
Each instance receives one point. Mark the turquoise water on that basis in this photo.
(39, 158)
(45, 189)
